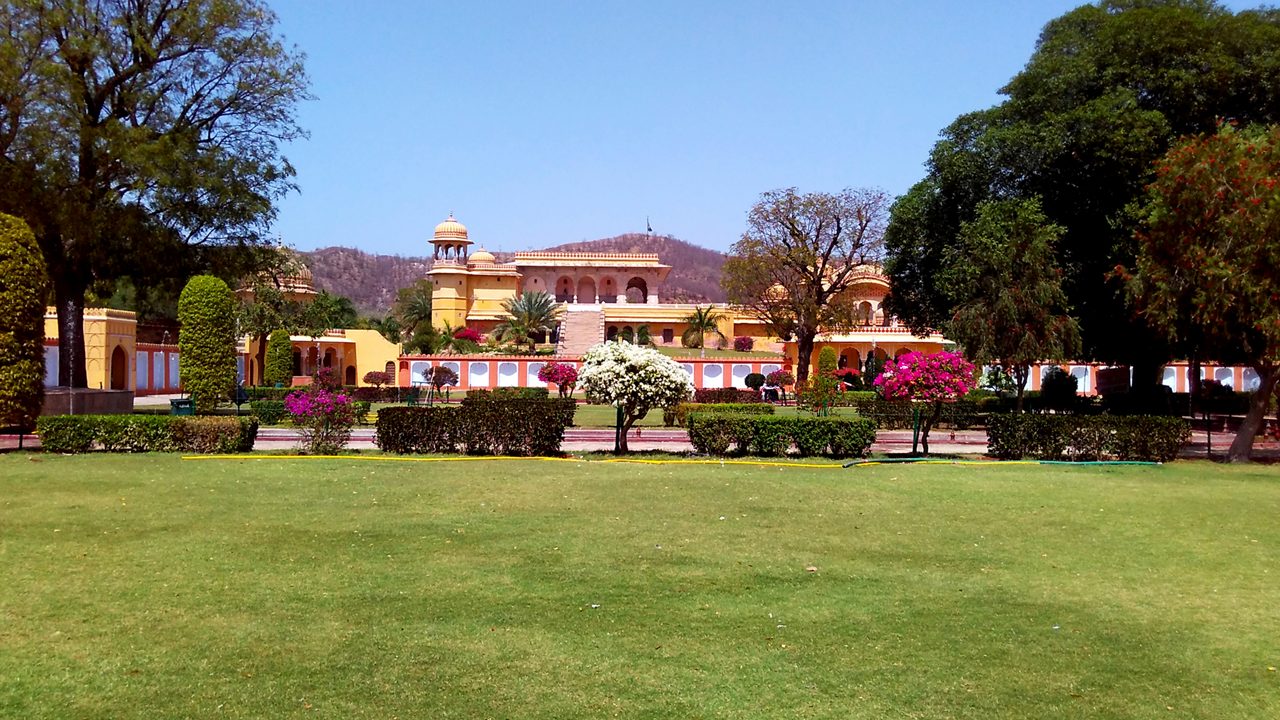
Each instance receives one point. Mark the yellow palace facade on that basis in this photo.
(606, 294)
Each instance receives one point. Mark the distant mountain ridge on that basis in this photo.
(371, 281)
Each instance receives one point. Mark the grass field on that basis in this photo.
(152, 587)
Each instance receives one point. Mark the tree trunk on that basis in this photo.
(804, 352)
(628, 420)
(1242, 447)
(70, 304)
(1194, 381)
(928, 425)
(1020, 375)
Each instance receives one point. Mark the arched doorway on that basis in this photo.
(637, 290)
(851, 358)
(564, 289)
(587, 290)
(119, 369)
(350, 378)
(864, 313)
(608, 290)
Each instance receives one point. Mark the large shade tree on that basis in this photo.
(1108, 89)
(134, 133)
(799, 256)
(1004, 284)
(1207, 254)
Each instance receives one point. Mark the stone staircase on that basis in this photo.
(579, 330)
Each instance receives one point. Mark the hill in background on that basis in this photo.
(371, 281)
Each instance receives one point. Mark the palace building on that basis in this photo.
(601, 295)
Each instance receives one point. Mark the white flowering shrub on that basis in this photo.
(633, 377)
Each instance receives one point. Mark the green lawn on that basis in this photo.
(151, 587)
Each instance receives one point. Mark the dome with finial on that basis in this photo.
(481, 257)
(451, 229)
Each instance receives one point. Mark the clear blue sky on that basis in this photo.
(547, 122)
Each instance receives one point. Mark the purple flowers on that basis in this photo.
(940, 377)
(324, 416)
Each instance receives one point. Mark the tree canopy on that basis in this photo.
(1108, 89)
(1207, 253)
(799, 255)
(1003, 281)
(136, 135)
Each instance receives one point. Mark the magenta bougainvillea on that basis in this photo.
(466, 333)
(564, 375)
(324, 417)
(927, 379)
(939, 377)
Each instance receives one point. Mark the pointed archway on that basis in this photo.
(119, 369)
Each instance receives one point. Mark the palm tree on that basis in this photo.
(532, 313)
(413, 307)
(703, 322)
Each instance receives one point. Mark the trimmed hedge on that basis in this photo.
(484, 423)
(720, 396)
(1080, 438)
(680, 413)
(766, 436)
(896, 415)
(207, 341)
(146, 433)
(268, 412)
(279, 359)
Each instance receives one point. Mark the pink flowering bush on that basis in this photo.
(744, 343)
(324, 416)
(466, 333)
(564, 375)
(935, 379)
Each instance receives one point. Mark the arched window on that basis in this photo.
(637, 290)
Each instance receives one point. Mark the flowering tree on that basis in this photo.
(1205, 268)
(324, 416)
(780, 379)
(564, 375)
(636, 379)
(441, 377)
(919, 378)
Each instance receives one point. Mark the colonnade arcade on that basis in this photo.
(590, 287)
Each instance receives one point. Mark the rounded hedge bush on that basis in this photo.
(207, 341)
(23, 285)
(278, 365)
